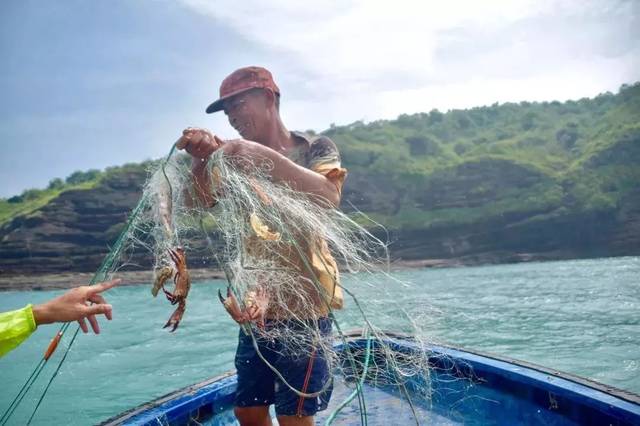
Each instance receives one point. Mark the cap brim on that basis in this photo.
(218, 105)
(215, 107)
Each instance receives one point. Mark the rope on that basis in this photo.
(316, 282)
(99, 276)
(55, 374)
(21, 394)
(108, 264)
(358, 389)
(248, 330)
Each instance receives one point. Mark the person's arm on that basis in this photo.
(201, 144)
(202, 182)
(283, 170)
(16, 326)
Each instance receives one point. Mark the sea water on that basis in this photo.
(581, 316)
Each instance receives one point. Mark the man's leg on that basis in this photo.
(295, 421)
(255, 391)
(307, 373)
(255, 416)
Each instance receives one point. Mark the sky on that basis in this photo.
(92, 84)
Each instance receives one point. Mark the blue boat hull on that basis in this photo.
(466, 388)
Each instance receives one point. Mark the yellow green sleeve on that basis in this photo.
(15, 327)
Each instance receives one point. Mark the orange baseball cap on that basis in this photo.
(240, 81)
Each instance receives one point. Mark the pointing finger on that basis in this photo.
(98, 288)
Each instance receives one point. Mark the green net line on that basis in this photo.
(106, 268)
(292, 241)
(359, 385)
(99, 276)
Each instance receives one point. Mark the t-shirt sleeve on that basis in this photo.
(324, 158)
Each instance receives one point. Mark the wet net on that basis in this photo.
(283, 253)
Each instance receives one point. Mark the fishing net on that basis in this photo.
(285, 251)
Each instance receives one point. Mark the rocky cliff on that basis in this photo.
(496, 184)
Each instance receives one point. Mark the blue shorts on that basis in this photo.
(308, 372)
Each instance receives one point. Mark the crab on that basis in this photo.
(255, 306)
(182, 285)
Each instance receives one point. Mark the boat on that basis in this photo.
(466, 387)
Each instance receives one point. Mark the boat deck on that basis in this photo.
(461, 387)
(383, 408)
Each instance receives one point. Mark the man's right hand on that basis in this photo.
(200, 143)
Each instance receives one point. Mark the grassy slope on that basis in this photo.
(540, 158)
(9, 210)
(557, 141)
(32, 200)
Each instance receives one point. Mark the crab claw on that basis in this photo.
(170, 296)
(177, 256)
(232, 306)
(257, 302)
(161, 277)
(175, 318)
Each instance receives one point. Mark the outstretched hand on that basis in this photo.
(74, 305)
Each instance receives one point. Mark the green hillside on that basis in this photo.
(466, 165)
(33, 199)
(500, 183)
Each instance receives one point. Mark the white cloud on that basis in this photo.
(122, 85)
(344, 61)
(357, 42)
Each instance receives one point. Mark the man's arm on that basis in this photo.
(201, 144)
(283, 170)
(202, 182)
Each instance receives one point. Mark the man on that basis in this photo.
(77, 304)
(250, 99)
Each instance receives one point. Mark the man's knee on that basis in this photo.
(253, 416)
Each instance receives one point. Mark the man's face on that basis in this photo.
(247, 113)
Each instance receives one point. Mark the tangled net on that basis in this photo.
(282, 248)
